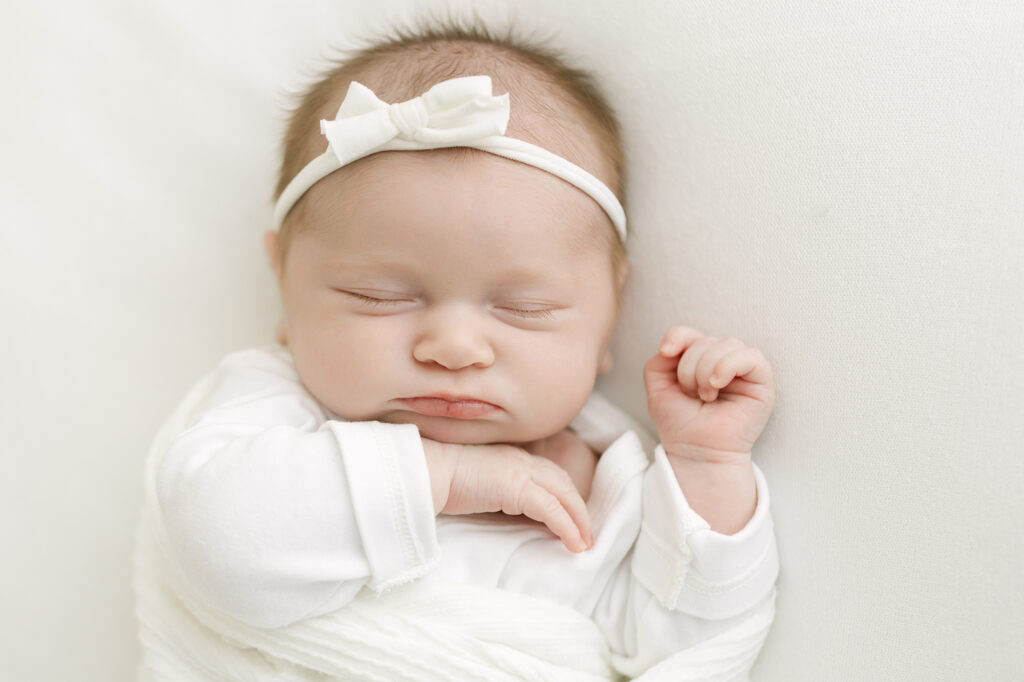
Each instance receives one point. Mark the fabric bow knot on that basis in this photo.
(451, 113)
(409, 117)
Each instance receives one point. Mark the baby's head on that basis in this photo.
(466, 293)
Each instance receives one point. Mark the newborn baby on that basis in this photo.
(450, 259)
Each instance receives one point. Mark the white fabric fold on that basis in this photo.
(726, 657)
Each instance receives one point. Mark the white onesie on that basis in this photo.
(277, 511)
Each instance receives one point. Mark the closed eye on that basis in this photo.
(529, 312)
(375, 301)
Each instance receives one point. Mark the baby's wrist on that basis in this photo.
(722, 491)
(440, 459)
(693, 455)
(711, 473)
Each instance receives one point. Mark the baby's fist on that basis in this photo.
(710, 398)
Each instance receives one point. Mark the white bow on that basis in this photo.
(451, 113)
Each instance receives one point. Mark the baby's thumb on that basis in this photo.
(660, 374)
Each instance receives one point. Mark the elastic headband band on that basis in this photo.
(460, 112)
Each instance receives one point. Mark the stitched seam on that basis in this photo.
(400, 519)
(672, 556)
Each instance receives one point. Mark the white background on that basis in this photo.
(839, 184)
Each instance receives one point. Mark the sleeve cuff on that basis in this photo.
(392, 501)
(689, 567)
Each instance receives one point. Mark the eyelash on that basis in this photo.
(539, 314)
(526, 313)
(370, 300)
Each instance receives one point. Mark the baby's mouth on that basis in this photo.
(446, 406)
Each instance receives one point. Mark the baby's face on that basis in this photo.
(471, 296)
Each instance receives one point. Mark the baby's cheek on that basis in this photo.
(334, 368)
(567, 381)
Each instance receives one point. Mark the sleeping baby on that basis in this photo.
(417, 480)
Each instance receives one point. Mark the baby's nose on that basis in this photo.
(454, 339)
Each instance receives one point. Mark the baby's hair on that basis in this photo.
(409, 61)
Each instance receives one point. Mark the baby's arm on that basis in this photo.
(699, 584)
(710, 399)
(276, 512)
(273, 511)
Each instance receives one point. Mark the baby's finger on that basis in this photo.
(748, 363)
(660, 371)
(676, 340)
(539, 504)
(558, 482)
(706, 364)
(660, 374)
(687, 368)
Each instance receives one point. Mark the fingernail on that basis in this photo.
(715, 381)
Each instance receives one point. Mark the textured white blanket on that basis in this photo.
(417, 632)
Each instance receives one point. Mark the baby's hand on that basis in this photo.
(709, 398)
(467, 479)
(569, 452)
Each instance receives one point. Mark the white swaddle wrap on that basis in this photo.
(421, 630)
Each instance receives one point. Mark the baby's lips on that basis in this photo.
(455, 408)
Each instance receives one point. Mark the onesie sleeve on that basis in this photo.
(276, 513)
(689, 567)
(688, 595)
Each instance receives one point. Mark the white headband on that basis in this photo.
(460, 112)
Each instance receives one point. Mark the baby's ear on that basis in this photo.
(279, 333)
(272, 247)
(623, 274)
(270, 244)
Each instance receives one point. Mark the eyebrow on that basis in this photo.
(344, 265)
(515, 276)
(532, 275)
(362, 264)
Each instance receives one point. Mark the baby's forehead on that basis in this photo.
(401, 186)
